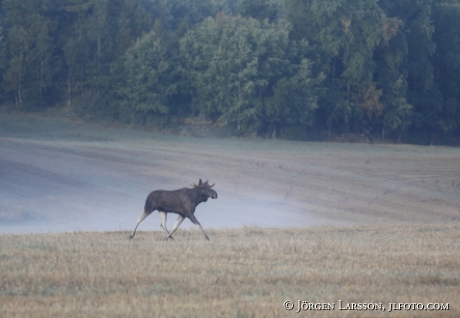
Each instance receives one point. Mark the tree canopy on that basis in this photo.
(387, 69)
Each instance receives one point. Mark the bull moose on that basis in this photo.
(182, 201)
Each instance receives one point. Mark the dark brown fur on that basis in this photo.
(182, 201)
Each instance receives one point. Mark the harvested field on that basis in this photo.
(313, 222)
(246, 272)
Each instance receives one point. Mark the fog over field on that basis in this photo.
(58, 175)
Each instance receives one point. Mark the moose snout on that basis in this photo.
(214, 196)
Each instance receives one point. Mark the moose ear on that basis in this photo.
(201, 182)
(206, 181)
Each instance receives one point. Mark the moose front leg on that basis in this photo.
(195, 221)
(205, 235)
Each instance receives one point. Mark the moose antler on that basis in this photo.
(202, 184)
(206, 183)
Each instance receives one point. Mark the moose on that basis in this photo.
(182, 201)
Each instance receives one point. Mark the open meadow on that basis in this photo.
(299, 221)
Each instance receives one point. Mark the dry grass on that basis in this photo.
(245, 272)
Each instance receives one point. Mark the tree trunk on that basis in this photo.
(69, 92)
(19, 97)
(41, 80)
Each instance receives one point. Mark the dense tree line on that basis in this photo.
(387, 68)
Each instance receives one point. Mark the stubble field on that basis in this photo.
(315, 222)
(247, 272)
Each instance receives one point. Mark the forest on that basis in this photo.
(387, 69)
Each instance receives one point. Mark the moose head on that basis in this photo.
(205, 191)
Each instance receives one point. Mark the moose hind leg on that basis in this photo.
(176, 226)
(163, 216)
(139, 220)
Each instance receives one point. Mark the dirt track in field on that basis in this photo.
(59, 175)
